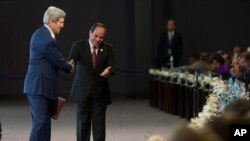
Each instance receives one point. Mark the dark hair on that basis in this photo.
(170, 19)
(194, 56)
(219, 59)
(245, 55)
(204, 56)
(93, 27)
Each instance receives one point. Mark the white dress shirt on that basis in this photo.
(92, 48)
(51, 32)
(170, 35)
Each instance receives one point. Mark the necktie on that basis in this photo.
(94, 57)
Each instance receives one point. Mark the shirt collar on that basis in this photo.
(91, 45)
(51, 32)
(171, 32)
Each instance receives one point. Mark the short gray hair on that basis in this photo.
(53, 13)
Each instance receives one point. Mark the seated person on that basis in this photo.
(242, 69)
(226, 57)
(221, 67)
(235, 54)
(193, 58)
(200, 65)
(235, 70)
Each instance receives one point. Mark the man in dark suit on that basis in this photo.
(90, 90)
(170, 47)
(40, 81)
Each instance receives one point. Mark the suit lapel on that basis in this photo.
(88, 56)
(87, 53)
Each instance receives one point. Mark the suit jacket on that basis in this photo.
(176, 46)
(45, 59)
(88, 79)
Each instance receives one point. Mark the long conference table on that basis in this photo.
(177, 99)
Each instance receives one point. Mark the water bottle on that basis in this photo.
(230, 85)
(223, 100)
(171, 61)
(196, 78)
(235, 91)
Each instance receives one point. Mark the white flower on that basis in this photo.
(181, 75)
(165, 73)
(215, 78)
(191, 78)
(211, 108)
(207, 79)
(152, 71)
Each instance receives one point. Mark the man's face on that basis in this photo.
(97, 36)
(56, 26)
(170, 25)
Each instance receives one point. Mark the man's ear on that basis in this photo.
(50, 22)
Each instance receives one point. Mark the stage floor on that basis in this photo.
(127, 120)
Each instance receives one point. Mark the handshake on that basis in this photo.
(105, 73)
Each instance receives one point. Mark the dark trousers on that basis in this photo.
(90, 112)
(41, 117)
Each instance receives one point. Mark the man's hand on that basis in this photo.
(72, 63)
(106, 72)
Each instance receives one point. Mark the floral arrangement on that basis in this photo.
(222, 92)
(175, 76)
(212, 105)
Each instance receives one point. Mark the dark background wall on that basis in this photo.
(212, 25)
(133, 28)
(207, 25)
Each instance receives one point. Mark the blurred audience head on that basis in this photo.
(220, 51)
(189, 134)
(220, 66)
(204, 56)
(236, 50)
(170, 25)
(248, 49)
(244, 61)
(193, 58)
(218, 60)
(239, 107)
(225, 56)
(221, 125)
